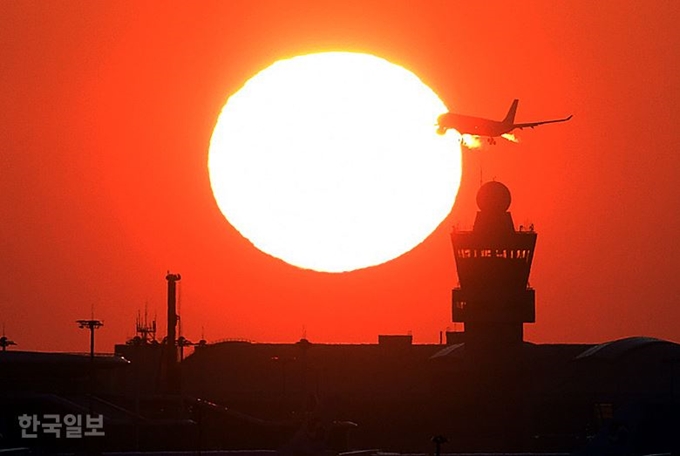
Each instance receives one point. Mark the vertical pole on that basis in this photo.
(92, 343)
(171, 368)
(91, 365)
(438, 440)
(92, 325)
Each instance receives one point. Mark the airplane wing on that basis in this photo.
(535, 124)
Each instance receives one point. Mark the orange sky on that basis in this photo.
(106, 112)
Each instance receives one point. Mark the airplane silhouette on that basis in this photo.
(478, 126)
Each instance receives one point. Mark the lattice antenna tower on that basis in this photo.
(145, 330)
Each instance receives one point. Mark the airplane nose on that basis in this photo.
(442, 118)
(441, 128)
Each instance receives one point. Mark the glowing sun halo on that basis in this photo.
(330, 161)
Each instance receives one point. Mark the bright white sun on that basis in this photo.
(331, 162)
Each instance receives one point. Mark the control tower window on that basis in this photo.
(464, 253)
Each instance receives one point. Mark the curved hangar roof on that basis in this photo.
(615, 349)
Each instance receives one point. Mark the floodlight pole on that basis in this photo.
(92, 325)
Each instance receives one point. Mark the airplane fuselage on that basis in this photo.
(474, 125)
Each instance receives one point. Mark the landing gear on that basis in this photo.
(492, 141)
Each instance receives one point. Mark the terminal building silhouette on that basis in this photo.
(485, 389)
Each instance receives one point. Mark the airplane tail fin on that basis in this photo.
(510, 116)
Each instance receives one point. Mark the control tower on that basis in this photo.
(493, 262)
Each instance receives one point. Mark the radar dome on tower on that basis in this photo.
(493, 197)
